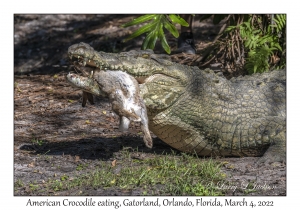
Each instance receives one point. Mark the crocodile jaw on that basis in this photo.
(138, 65)
(87, 56)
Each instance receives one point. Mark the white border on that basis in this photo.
(8, 201)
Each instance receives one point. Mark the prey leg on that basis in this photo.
(145, 129)
(124, 124)
(87, 96)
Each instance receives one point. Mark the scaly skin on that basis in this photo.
(201, 112)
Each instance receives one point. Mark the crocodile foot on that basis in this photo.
(268, 159)
(275, 153)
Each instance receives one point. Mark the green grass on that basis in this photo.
(162, 175)
(81, 167)
(19, 183)
(38, 142)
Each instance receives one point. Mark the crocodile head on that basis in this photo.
(161, 81)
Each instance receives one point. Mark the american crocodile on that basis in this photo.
(199, 111)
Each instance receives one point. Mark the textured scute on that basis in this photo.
(201, 112)
(219, 117)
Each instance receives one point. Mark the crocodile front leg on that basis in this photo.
(276, 152)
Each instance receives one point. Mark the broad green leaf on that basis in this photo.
(264, 39)
(256, 31)
(179, 20)
(247, 24)
(139, 20)
(251, 53)
(170, 27)
(230, 28)
(254, 69)
(144, 29)
(152, 40)
(154, 29)
(271, 49)
(278, 23)
(247, 43)
(163, 41)
(281, 19)
(277, 45)
(146, 41)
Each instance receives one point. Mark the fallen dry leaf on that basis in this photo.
(30, 165)
(113, 163)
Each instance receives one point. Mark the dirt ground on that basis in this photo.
(53, 134)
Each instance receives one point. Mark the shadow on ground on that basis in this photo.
(97, 148)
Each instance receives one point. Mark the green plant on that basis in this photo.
(57, 185)
(280, 20)
(169, 174)
(81, 167)
(155, 29)
(38, 142)
(245, 41)
(249, 42)
(19, 183)
(33, 187)
(259, 40)
(64, 177)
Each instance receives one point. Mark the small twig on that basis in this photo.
(232, 46)
(238, 44)
(206, 63)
